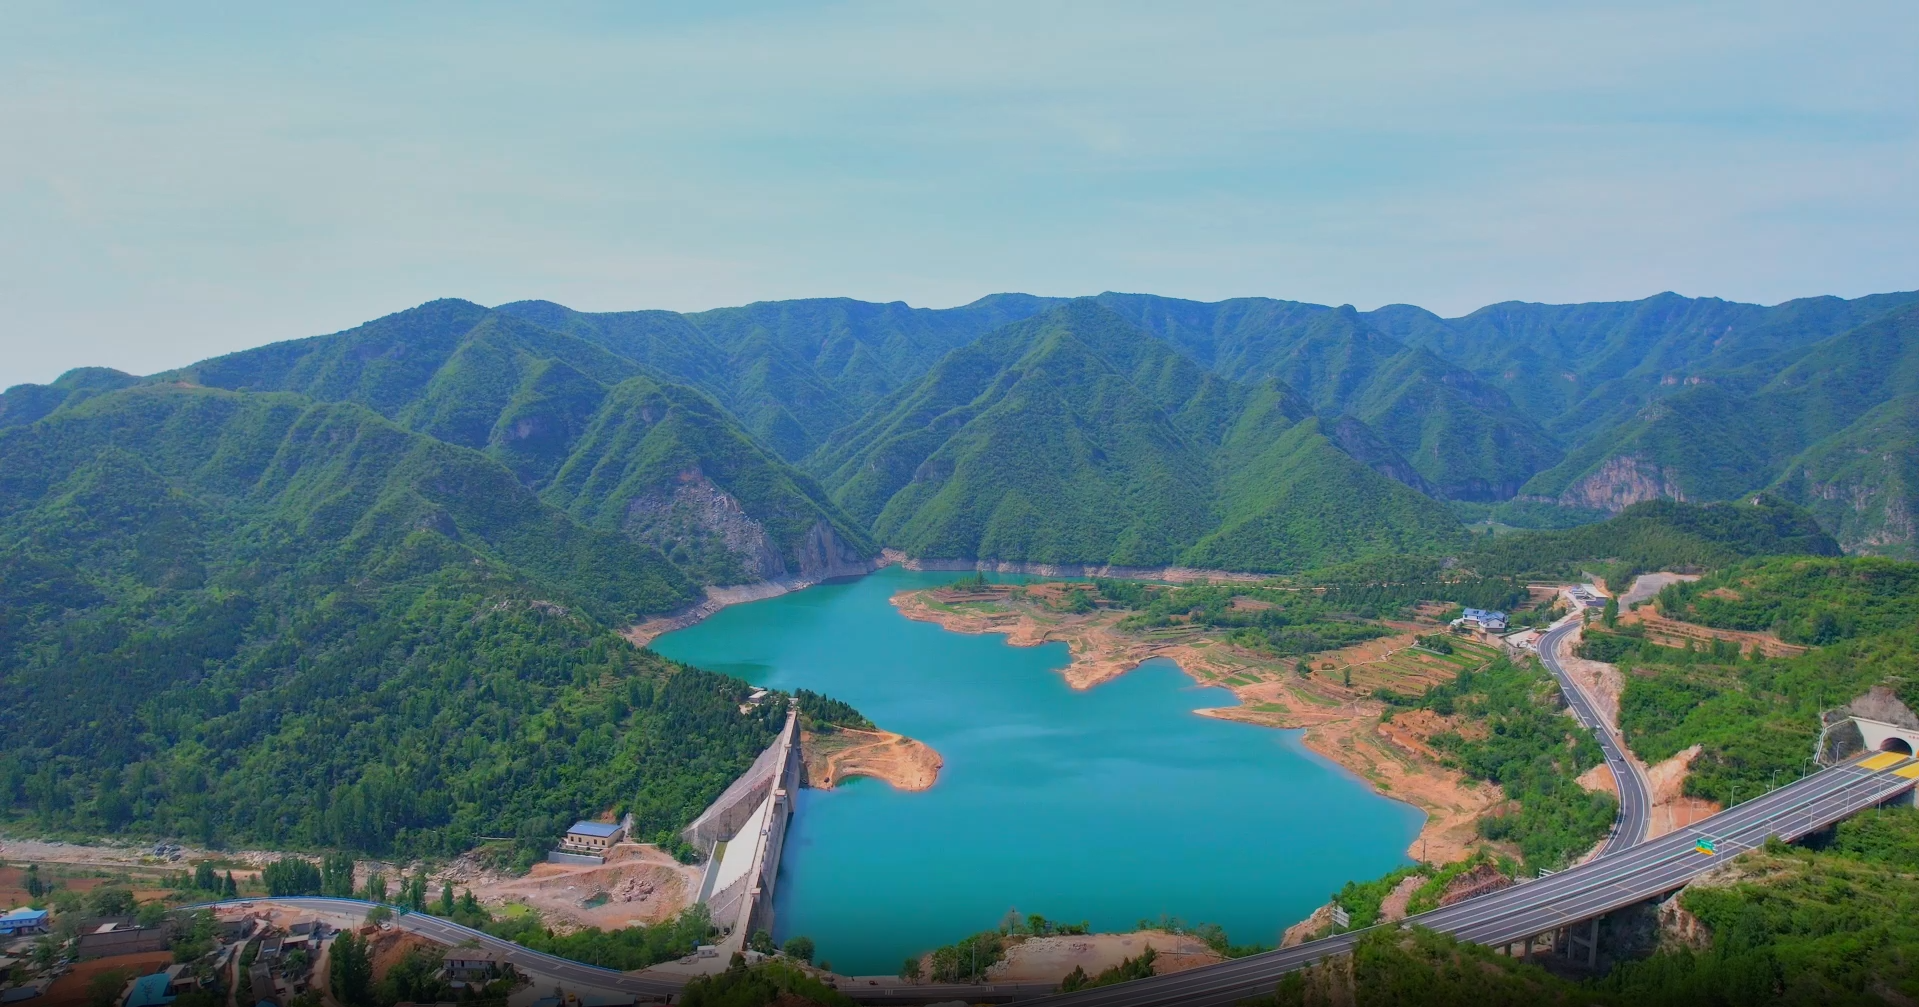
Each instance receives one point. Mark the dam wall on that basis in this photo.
(750, 818)
(728, 813)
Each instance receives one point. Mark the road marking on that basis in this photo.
(1882, 760)
(1909, 772)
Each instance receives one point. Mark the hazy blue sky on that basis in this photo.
(177, 180)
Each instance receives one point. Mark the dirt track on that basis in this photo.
(640, 884)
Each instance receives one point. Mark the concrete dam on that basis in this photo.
(742, 833)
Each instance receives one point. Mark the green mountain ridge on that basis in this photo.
(234, 616)
(1076, 437)
(1465, 437)
(597, 433)
(1714, 440)
(762, 408)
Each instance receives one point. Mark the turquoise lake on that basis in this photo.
(1109, 805)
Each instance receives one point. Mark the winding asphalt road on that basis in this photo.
(1635, 794)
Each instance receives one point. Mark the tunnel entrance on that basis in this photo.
(1896, 744)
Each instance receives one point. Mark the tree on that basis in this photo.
(110, 902)
(760, 941)
(336, 875)
(1611, 614)
(204, 878)
(103, 990)
(228, 889)
(446, 899)
(800, 948)
(150, 914)
(352, 970)
(375, 887)
(34, 887)
(911, 970)
(291, 876)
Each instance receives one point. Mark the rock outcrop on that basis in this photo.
(1620, 482)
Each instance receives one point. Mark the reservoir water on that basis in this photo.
(1109, 805)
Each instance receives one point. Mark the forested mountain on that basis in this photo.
(711, 435)
(1577, 367)
(597, 433)
(1833, 402)
(1077, 437)
(1463, 435)
(251, 616)
(792, 371)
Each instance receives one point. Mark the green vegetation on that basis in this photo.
(291, 876)
(1421, 966)
(1657, 535)
(1362, 899)
(1815, 601)
(824, 714)
(1756, 718)
(967, 959)
(624, 949)
(593, 431)
(1271, 619)
(1832, 926)
(1529, 515)
(251, 618)
(1076, 437)
(1524, 741)
(1137, 967)
(351, 969)
(766, 983)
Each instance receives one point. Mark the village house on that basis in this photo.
(117, 938)
(23, 921)
(473, 965)
(1481, 619)
(592, 837)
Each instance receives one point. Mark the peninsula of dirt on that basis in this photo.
(898, 760)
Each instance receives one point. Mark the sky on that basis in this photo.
(179, 180)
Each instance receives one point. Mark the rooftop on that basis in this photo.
(149, 991)
(601, 829)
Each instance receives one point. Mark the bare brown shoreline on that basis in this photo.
(643, 633)
(1339, 723)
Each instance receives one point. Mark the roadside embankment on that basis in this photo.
(1603, 684)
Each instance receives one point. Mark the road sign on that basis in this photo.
(1341, 917)
(1706, 845)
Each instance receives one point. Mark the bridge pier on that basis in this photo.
(1573, 940)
